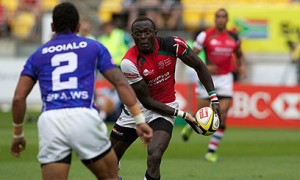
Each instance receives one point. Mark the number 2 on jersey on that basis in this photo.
(72, 64)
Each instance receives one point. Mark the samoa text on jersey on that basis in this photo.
(157, 68)
(219, 47)
(65, 68)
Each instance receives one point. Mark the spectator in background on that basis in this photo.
(219, 45)
(172, 14)
(149, 8)
(108, 103)
(30, 5)
(117, 40)
(106, 97)
(295, 55)
(29, 13)
(4, 25)
(85, 30)
(167, 14)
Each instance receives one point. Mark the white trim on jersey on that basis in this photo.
(198, 43)
(128, 67)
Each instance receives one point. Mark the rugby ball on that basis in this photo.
(207, 120)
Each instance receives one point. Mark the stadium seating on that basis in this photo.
(11, 6)
(48, 5)
(193, 10)
(107, 8)
(22, 24)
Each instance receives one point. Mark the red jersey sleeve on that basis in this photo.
(182, 48)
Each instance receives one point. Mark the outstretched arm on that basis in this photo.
(193, 61)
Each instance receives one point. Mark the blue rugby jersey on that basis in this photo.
(65, 68)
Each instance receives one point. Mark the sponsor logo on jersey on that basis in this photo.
(214, 42)
(131, 75)
(167, 62)
(146, 72)
(159, 79)
(117, 132)
(161, 64)
(230, 42)
(222, 51)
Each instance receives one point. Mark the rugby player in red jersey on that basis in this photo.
(149, 67)
(220, 46)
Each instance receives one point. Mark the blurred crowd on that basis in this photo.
(22, 18)
(166, 13)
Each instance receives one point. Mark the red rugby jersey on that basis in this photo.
(219, 47)
(157, 69)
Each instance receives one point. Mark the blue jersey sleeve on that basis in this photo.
(105, 61)
(29, 69)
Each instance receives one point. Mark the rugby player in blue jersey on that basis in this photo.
(65, 68)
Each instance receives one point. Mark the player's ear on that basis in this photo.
(77, 28)
(155, 32)
(52, 27)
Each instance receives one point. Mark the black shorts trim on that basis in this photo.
(161, 124)
(123, 133)
(66, 160)
(126, 134)
(89, 161)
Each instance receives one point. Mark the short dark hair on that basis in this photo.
(222, 9)
(65, 17)
(144, 18)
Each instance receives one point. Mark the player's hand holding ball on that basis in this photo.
(208, 120)
(189, 119)
(193, 122)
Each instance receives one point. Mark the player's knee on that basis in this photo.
(154, 155)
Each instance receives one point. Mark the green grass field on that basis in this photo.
(245, 153)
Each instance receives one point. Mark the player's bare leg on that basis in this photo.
(106, 167)
(156, 149)
(55, 171)
(120, 147)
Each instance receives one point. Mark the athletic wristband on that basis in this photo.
(139, 119)
(18, 136)
(18, 125)
(215, 102)
(180, 113)
(18, 129)
(213, 96)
